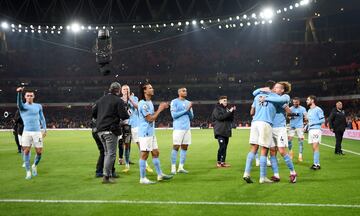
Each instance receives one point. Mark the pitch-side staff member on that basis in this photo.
(223, 117)
(337, 122)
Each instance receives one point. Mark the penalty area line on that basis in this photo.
(177, 203)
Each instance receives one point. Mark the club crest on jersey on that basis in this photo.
(145, 107)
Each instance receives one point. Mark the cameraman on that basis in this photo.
(108, 111)
(223, 117)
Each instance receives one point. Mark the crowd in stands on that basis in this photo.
(80, 116)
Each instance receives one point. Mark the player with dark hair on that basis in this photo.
(182, 113)
(316, 119)
(147, 138)
(223, 117)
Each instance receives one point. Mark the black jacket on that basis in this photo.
(19, 124)
(337, 120)
(108, 111)
(222, 118)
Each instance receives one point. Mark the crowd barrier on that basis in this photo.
(349, 134)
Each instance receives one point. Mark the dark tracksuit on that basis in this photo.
(337, 122)
(18, 129)
(223, 119)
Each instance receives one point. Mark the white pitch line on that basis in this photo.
(176, 203)
(345, 150)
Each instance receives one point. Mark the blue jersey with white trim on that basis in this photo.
(280, 116)
(31, 114)
(266, 111)
(146, 129)
(180, 114)
(297, 121)
(134, 113)
(316, 117)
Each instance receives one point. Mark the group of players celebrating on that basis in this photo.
(268, 133)
(268, 129)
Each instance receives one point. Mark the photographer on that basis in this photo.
(223, 118)
(108, 111)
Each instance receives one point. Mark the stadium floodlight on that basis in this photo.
(297, 5)
(19, 25)
(304, 2)
(157, 25)
(267, 13)
(226, 26)
(249, 23)
(32, 31)
(75, 27)
(149, 26)
(60, 27)
(253, 15)
(164, 24)
(12, 26)
(187, 23)
(220, 27)
(172, 24)
(218, 20)
(26, 30)
(245, 16)
(82, 27)
(285, 9)
(201, 21)
(4, 25)
(237, 17)
(179, 23)
(230, 18)
(256, 23)
(89, 27)
(291, 7)
(241, 24)
(19, 30)
(52, 32)
(39, 31)
(270, 21)
(13, 30)
(58, 32)
(194, 22)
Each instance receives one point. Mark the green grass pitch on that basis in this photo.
(67, 170)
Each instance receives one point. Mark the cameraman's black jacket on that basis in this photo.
(108, 111)
(222, 118)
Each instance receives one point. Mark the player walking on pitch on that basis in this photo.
(33, 118)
